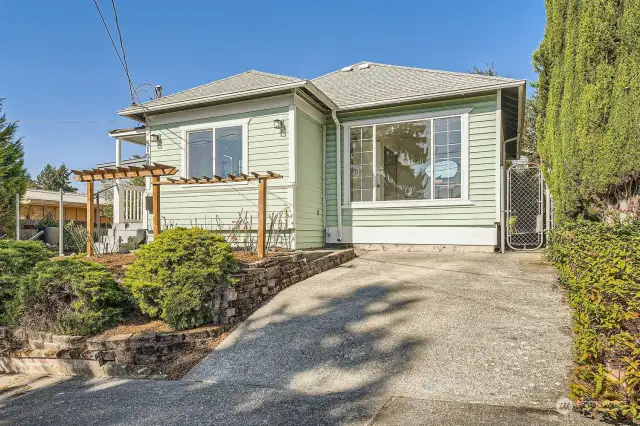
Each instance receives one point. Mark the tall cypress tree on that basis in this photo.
(13, 175)
(589, 102)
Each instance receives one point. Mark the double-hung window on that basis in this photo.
(219, 150)
(407, 160)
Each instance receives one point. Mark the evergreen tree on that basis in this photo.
(54, 178)
(589, 102)
(13, 175)
(490, 70)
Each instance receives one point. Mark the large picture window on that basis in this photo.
(217, 151)
(407, 160)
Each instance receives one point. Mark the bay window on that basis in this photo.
(408, 160)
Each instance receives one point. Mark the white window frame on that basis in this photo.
(463, 113)
(185, 130)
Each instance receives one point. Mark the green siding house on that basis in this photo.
(372, 155)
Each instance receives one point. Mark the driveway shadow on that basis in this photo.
(321, 364)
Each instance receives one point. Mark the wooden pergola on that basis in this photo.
(155, 171)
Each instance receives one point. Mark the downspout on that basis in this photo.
(338, 173)
(324, 178)
(501, 170)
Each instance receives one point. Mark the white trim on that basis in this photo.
(346, 170)
(399, 204)
(464, 180)
(418, 235)
(185, 130)
(463, 113)
(242, 107)
(128, 133)
(308, 109)
(416, 98)
(408, 117)
(128, 112)
(292, 144)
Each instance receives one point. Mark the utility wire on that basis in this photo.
(123, 61)
(124, 54)
(113, 43)
(64, 122)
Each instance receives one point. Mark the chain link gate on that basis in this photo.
(525, 207)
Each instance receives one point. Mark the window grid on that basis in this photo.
(450, 155)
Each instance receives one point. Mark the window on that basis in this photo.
(200, 153)
(361, 139)
(228, 156)
(219, 151)
(417, 159)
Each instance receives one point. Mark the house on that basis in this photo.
(417, 160)
(38, 204)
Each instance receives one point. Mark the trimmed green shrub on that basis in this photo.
(600, 266)
(589, 102)
(17, 259)
(70, 296)
(176, 276)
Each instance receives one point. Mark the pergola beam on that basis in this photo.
(217, 179)
(148, 170)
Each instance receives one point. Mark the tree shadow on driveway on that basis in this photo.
(326, 363)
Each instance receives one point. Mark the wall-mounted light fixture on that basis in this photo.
(278, 124)
(155, 138)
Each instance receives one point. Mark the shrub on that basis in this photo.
(70, 296)
(176, 277)
(17, 259)
(600, 266)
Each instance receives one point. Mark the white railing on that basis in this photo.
(131, 204)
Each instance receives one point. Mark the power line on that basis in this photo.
(124, 54)
(113, 43)
(65, 122)
(123, 61)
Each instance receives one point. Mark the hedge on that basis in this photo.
(69, 296)
(589, 102)
(176, 276)
(600, 266)
(17, 259)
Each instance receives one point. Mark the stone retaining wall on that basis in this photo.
(23, 351)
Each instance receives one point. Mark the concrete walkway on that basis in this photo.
(389, 338)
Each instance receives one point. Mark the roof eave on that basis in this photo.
(313, 89)
(441, 95)
(136, 112)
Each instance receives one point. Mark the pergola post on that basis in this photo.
(90, 218)
(262, 217)
(156, 205)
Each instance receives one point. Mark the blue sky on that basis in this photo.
(58, 63)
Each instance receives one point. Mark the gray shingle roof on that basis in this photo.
(236, 84)
(364, 83)
(381, 82)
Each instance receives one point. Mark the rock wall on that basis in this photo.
(23, 351)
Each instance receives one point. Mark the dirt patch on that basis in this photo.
(115, 263)
(137, 325)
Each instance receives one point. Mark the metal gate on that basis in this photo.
(525, 207)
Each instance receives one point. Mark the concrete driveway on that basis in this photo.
(460, 327)
(389, 338)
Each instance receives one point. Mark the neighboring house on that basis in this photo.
(419, 152)
(38, 204)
